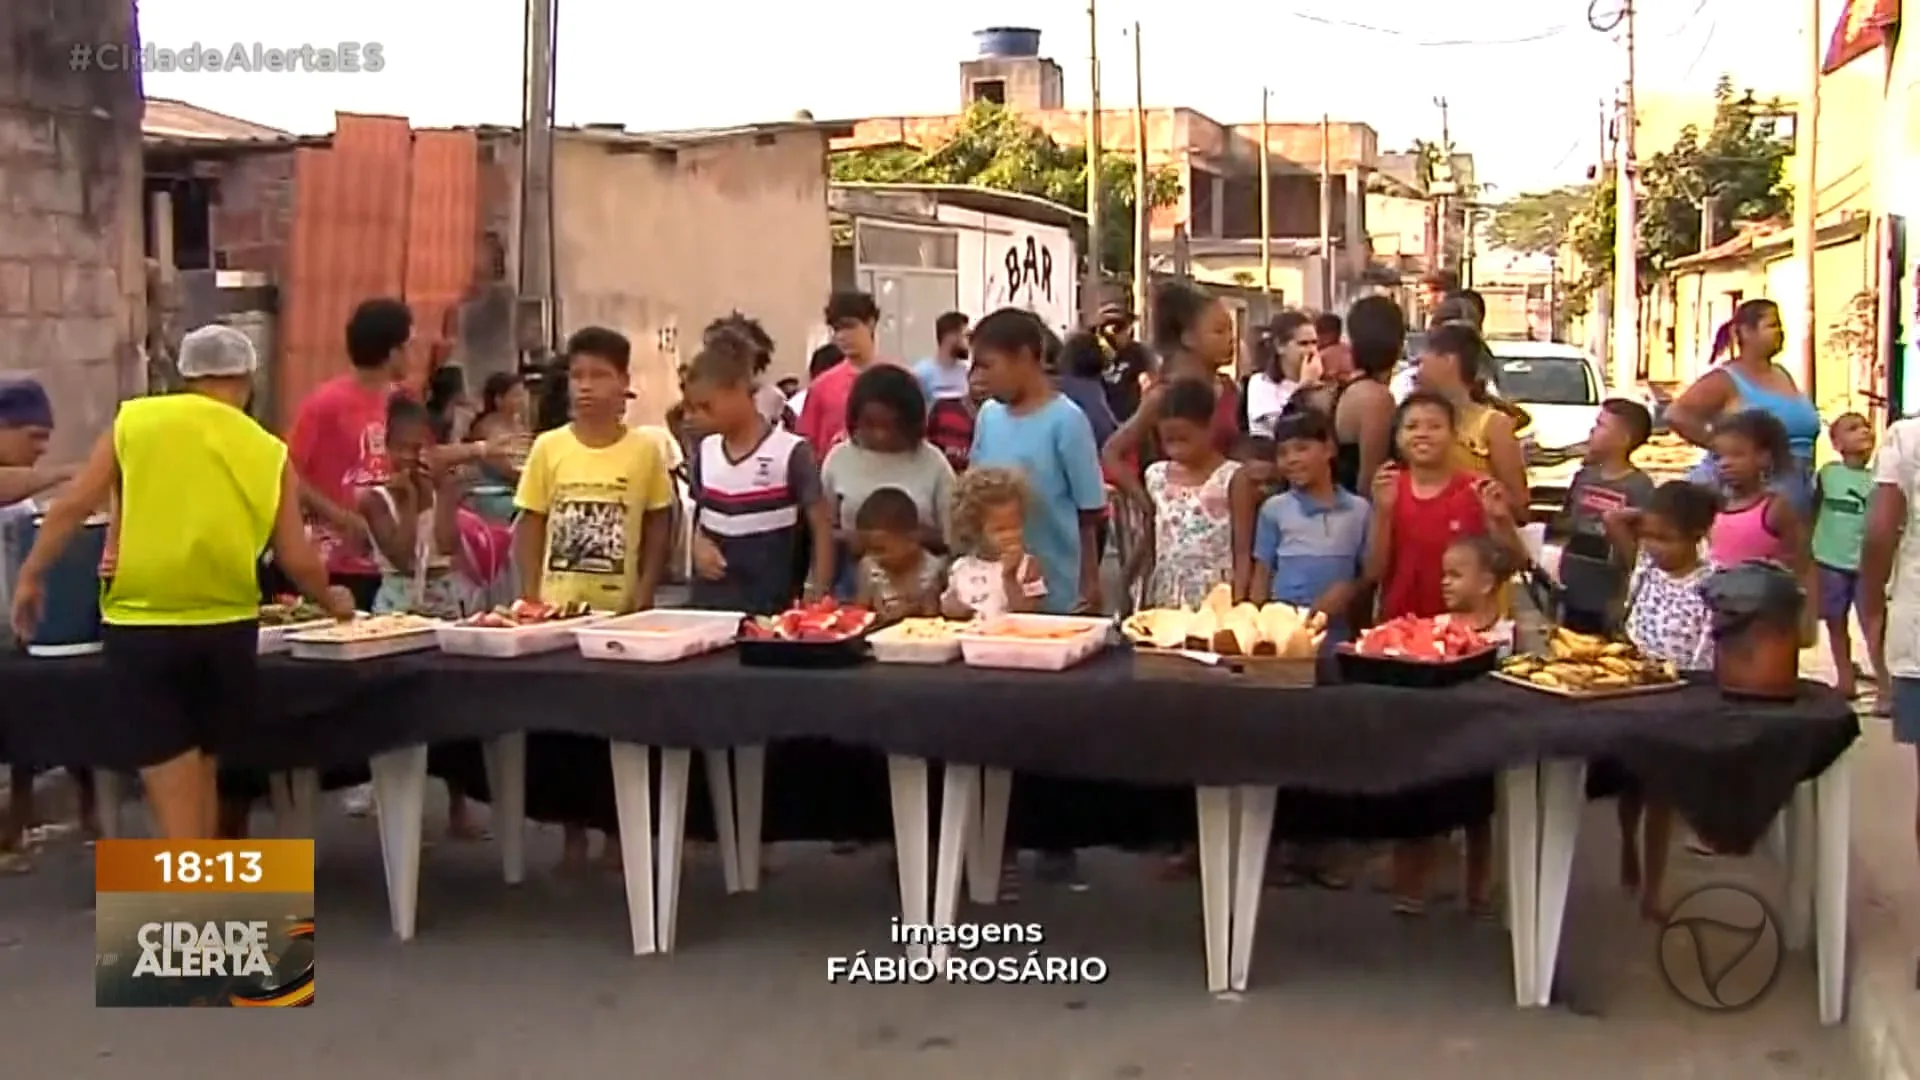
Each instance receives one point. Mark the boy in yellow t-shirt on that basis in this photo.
(595, 500)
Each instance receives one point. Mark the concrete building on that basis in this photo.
(1212, 229)
(655, 235)
(926, 249)
(71, 279)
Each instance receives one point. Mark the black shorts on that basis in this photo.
(180, 688)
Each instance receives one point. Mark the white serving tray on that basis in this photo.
(659, 637)
(507, 642)
(273, 639)
(890, 646)
(308, 646)
(991, 651)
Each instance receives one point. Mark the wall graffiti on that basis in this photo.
(1026, 273)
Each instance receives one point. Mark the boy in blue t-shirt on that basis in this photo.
(1310, 541)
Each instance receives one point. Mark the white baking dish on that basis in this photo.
(507, 642)
(318, 645)
(273, 639)
(659, 637)
(982, 649)
(892, 646)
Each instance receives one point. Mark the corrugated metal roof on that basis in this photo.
(167, 119)
(670, 140)
(1012, 204)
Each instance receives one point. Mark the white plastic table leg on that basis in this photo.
(304, 785)
(1777, 838)
(749, 792)
(1520, 815)
(1802, 865)
(1563, 793)
(676, 768)
(1833, 796)
(280, 801)
(507, 780)
(633, 798)
(988, 848)
(907, 782)
(1215, 806)
(399, 802)
(959, 819)
(725, 831)
(108, 797)
(1249, 877)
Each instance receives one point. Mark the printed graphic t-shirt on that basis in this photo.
(594, 500)
(1840, 528)
(338, 446)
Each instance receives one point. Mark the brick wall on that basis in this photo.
(252, 215)
(69, 223)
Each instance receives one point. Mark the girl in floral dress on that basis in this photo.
(1190, 544)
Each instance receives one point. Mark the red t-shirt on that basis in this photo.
(1423, 529)
(823, 418)
(338, 446)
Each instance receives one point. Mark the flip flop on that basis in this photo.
(1409, 907)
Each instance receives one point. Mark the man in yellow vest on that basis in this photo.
(201, 490)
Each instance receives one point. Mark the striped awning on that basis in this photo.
(1862, 28)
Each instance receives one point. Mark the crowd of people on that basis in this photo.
(995, 474)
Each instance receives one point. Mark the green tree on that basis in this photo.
(1537, 222)
(994, 147)
(1738, 164)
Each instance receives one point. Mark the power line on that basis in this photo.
(1706, 43)
(1448, 43)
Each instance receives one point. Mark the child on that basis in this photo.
(1593, 575)
(1310, 541)
(1471, 574)
(595, 500)
(1030, 428)
(755, 491)
(1751, 451)
(886, 446)
(1840, 491)
(412, 520)
(899, 577)
(1189, 545)
(1420, 511)
(1667, 619)
(994, 574)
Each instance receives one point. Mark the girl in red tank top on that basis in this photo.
(1421, 509)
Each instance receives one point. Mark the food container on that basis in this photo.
(1356, 667)
(1191, 666)
(894, 646)
(324, 644)
(774, 652)
(507, 642)
(990, 646)
(1757, 608)
(273, 639)
(658, 637)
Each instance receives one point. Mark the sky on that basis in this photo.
(1524, 78)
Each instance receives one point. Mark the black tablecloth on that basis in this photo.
(1727, 766)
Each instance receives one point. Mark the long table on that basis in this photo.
(1254, 755)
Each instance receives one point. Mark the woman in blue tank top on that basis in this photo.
(1750, 379)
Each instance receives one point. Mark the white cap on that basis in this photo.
(216, 351)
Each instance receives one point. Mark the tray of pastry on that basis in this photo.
(366, 638)
(1585, 667)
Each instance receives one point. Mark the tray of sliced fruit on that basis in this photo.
(918, 641)
(659, 637)
(365, 638)
(822, 634)
(1587, 666)
(1033, 642)
(1418, 653)
(287, 615)
(522, 628)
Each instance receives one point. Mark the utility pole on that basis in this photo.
(1326, 213)
(1142, 204)
(1266, 201)
(536, 186)
(1806, 200)
(1625, 370)
(1600, 329)
(1090, 290)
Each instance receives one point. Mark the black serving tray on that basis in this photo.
(846, 653)
(1413, 674)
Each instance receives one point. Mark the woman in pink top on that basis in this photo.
(1751, 450)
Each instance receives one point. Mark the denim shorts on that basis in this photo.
(1906, 711)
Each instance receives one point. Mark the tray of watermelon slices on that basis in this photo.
(1419, 653)
(822, 634)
